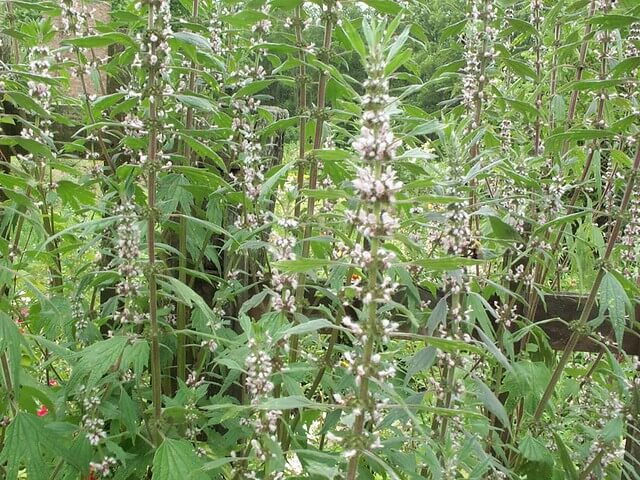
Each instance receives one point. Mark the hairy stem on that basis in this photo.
(181, 311)
(156, 377)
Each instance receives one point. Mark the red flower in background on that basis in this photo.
(53, 382)
(42, 411)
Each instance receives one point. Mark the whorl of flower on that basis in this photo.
(633, 41)
(373, 188)
(127, 261)
(128, 248)
(505, 134)
(259, 370)
(249, 150)
(104, 467)
(155, 52)
(376, 140)
(74, 17)
(79, 316)
(479, 51)
(457, 237)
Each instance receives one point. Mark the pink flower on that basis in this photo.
(42, 411)
(53, 382)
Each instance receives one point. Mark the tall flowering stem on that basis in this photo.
(182, 313)
(376, 186)
(329, 23)
(156, 54)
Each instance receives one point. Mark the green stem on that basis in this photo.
(152, 158)
(302, 107)
(370, 345)
(181, 313)
(313, 174)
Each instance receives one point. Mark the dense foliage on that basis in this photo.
(285, 239)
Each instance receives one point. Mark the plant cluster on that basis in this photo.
(320, 239)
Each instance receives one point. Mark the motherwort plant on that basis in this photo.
(376, 186)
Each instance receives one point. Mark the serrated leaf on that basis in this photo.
(177, 459)
(534, 450)
(22, 446)
(96, 360)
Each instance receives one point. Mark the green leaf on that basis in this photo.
(302, 265)
(577, 134)
(591, 85)
(75, 195)
(286, 4)
(22, 445)
(99, 41)
(384, 6)
(96, 360)
(219, 462)
(610, 21)
(244, 18)
(453, 30)
(309, 327)
(198, 103)
(450, 345)
(422, 360)
(492, 403)
(354, 38)
(565, 458)
(321, 464)
(26, 103)
(534, 450)
(495, 351)
(203, 150)
(190, 38)
(625, 66)
(176, 459)
(331, 154)
(444, 264)
(277, 173)
(286, 403)
(31, 146)
(186, 295)
(106, 101)
(519, 68)
(278, 126)
(614, 299)
(252, 88)
(503, 230)
(521, 26)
